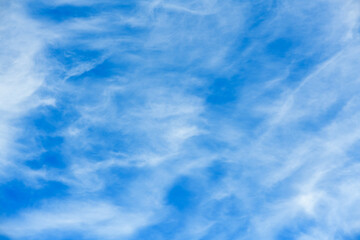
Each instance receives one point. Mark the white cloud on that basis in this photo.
(22, 72)
(292, 163)
(94, 219)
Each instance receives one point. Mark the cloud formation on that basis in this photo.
(167, 119)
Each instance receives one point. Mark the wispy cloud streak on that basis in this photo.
(172, 119)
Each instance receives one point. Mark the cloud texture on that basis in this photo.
(169, 119)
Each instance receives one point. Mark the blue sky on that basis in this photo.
(179, 119)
